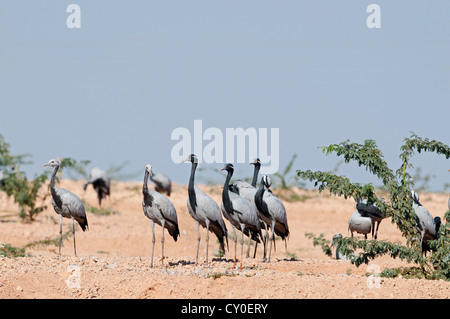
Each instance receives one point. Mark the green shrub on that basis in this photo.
(16, 184)
(398, 206)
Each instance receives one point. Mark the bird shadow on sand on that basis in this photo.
(181, 263)
(221, 259)
(288, 259)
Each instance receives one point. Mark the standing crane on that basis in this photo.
(66, 204)
(205, 211)
(160, 210)
(241, 213)
(373, 212)
(272, 211)
(248, 191)
(101, 183)
(427, 226)
(163, 184)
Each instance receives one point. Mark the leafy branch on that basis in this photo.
(398, 207)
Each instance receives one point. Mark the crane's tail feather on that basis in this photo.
(83, 224)
(281, 230)
(174, 232)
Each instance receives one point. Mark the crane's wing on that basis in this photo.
(68, 204)
(372, 210)
(161, 180)
(425, 220)
(278, 212)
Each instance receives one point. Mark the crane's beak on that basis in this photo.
(45, 165)
(188, 159)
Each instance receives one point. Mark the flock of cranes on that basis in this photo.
(243, 205)
(247, 207)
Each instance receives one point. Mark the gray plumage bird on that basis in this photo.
(335, 242)
(372, 211)
(248, 191)
(241, 213)
(66, 204)
(360, 224)
(101, 183)
(160, 210)
(427, 226)
(163, 184)
(205, 211)
(272, 212)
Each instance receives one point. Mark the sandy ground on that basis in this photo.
(114, 255)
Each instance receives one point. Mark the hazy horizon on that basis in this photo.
(114, 90)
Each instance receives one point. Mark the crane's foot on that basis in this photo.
(234, 264)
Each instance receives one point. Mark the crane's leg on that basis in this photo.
(60, 234)
(242, 244)
(273, 235)
(254, 253)
(198, 242)
(153, 241)
(207, 239)
(373, 228)
(376, 232)
(73, 231)
(162, 241)
(273, 239)
(235, 246)
(247, 254)
(99, 196)
(266, 240)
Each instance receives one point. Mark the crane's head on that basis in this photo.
(437, 222)
(148, 169)
(255, 162)
(266, 181)
(336, 237)
(415, 197)
(228, 167)
(191, 158)
(52, 163)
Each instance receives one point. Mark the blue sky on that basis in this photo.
(115, 89)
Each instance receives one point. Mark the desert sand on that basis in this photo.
(114, 254)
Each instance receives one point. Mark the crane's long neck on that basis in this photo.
(55, 196)
(259, 202)
(259, 197)
(191, 190)
(145, 184)
(437, 226)
(255, 174)
(338, 254)
(148, 198)
(226, 194)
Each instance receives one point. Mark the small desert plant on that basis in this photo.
(6, 250)
(15, 183)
